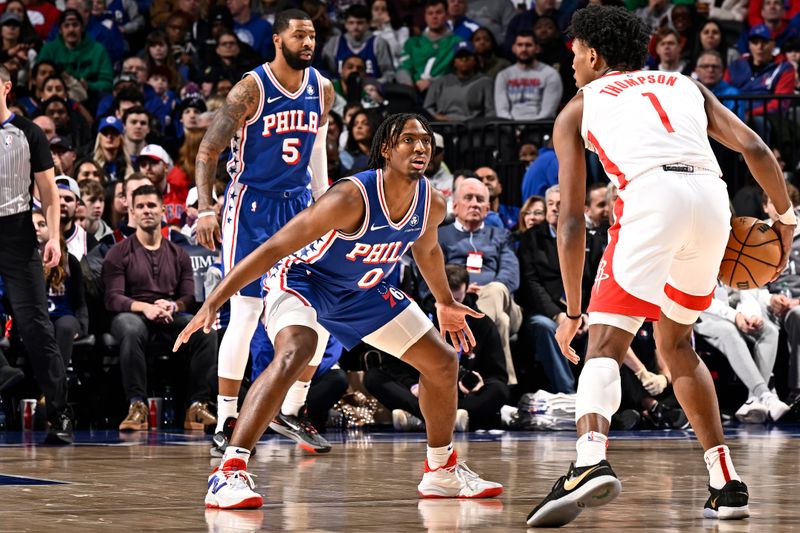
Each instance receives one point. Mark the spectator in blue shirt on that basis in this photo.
(458, 21)
(507, 215)
(252, 29)
(761, 73)
(709, 71)
(490, 260)
(543, 172)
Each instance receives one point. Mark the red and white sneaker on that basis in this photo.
(231, 487)
(456, 480)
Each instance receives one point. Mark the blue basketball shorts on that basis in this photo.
(383, 316)
(250, 217)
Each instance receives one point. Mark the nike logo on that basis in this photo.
(273, 99)
(714, 502)
(574, 482)
(231, 400)
(291, 425)
(376, 228)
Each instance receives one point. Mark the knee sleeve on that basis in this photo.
(235, 347)
(599, 388)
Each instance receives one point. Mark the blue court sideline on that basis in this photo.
(17, 439)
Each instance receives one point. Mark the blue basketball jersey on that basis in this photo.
(358, 261)
(366, 52)
(270, 153)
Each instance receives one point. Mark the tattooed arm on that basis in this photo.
(239, 106)
(319, 155)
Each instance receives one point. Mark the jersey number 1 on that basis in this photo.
(660, 110)
(290, 152)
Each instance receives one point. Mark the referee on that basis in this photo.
(25, 157)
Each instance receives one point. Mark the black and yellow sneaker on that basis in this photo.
(582, 487)
(728, 503)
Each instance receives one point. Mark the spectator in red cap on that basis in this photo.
(154, 163)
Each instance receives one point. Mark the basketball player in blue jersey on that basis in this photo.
(275, 120)
(336, 255)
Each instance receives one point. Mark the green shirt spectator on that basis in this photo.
(429, 55)
(78, 54)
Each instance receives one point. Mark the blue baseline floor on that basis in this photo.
(178, 438)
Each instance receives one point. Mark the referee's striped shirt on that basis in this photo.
(23, 150)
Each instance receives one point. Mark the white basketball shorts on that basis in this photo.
(665, 248)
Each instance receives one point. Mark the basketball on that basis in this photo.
(752, 254)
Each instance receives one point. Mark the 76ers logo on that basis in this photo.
(601, 275)
(391, 294)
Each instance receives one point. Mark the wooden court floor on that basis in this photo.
(156, 482)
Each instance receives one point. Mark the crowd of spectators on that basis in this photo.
(124, 90)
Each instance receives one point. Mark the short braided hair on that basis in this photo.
(389, 132)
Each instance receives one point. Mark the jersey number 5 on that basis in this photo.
(660, 110)
(290, 152)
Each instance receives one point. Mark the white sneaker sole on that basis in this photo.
(254, 502)
(727, 513)
(434, 493)
(753, 417)
(779, 412)
(594, 493)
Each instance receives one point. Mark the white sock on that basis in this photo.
(295, 398)
(591, 448)
(720, 466)
(227, 406)
(233, 453)
(438, 457)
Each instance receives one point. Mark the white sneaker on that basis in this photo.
(462, 420)
(232, 488)
(405, 421)
(774, 405)
(456, 480)
(752, 412)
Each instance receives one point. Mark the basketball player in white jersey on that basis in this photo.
(672, 221)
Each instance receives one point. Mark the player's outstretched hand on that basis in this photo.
(204, 318)
(786, 234)
(208, 233)
(566, 331)
(452, 320)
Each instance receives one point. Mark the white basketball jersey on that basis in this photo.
(641, 120)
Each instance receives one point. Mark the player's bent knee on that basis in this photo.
(294, 347)
(440, 362)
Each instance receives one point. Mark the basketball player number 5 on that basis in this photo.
(660, 110)
(290, 152)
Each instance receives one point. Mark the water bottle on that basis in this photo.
(168, 413)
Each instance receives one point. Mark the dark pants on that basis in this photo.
(136, 334)
(323, 394)
(482, 405)
(21, 269)
(67, 327)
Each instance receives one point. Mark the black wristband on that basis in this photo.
(576, 317)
